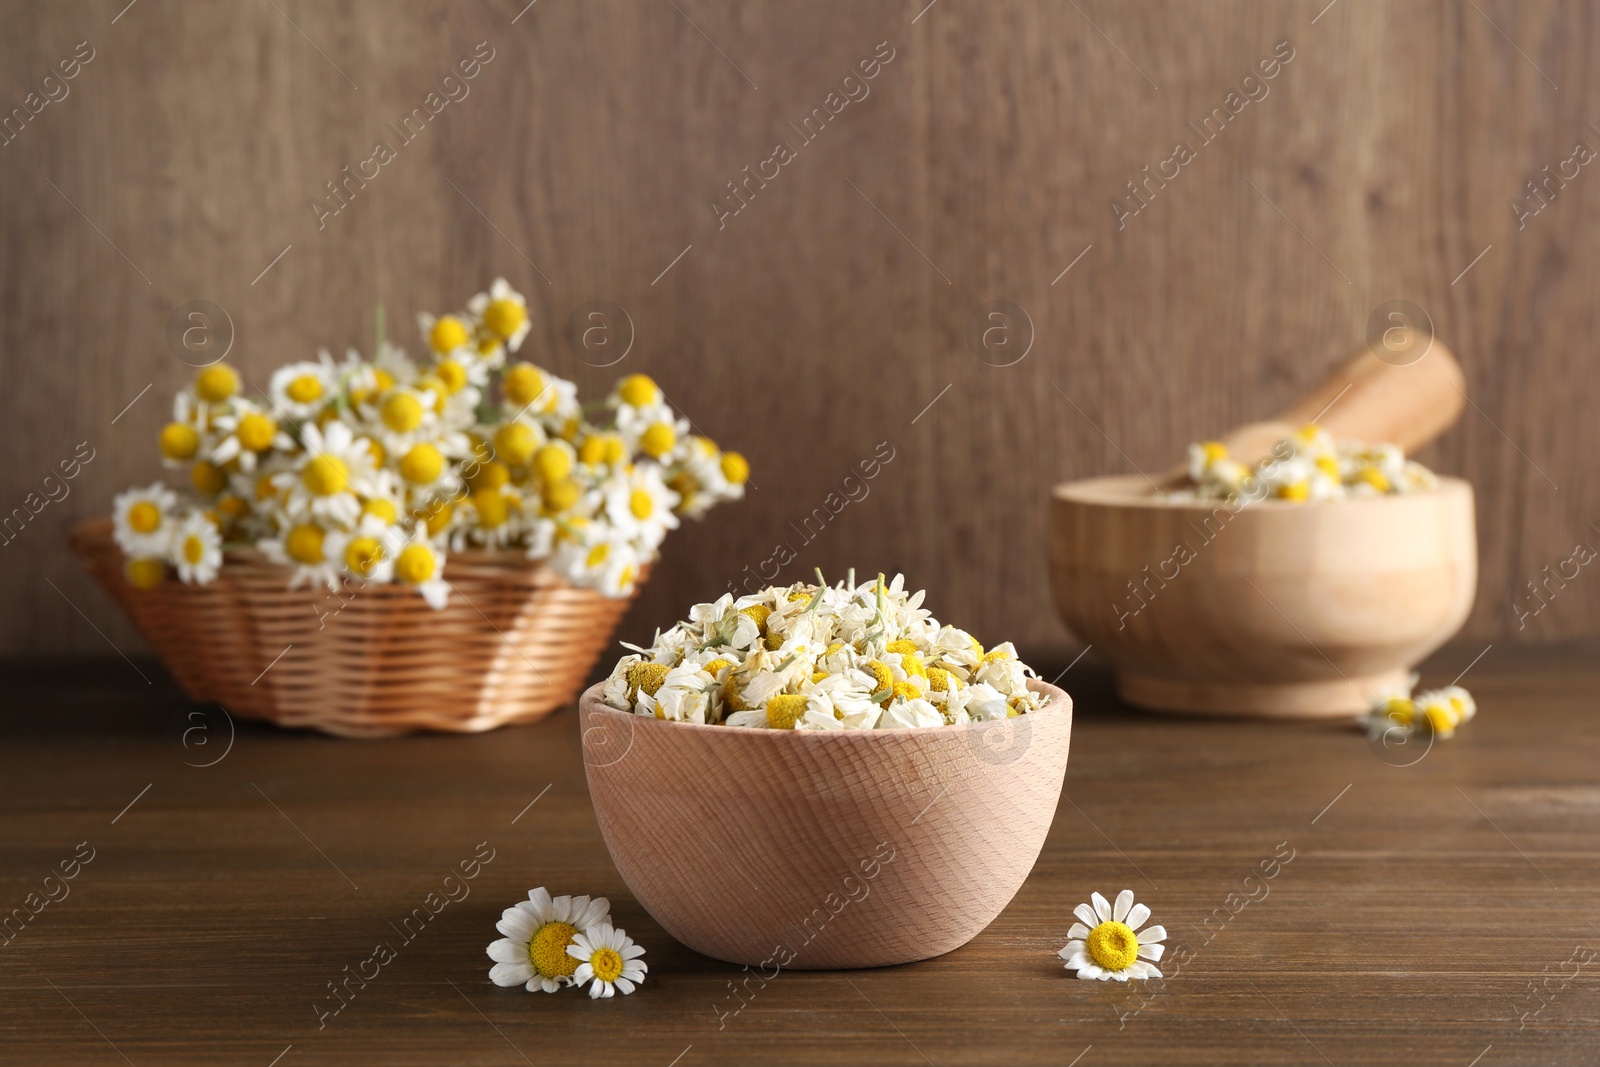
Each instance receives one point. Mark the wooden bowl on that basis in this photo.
(1274, 610)
(795, 849)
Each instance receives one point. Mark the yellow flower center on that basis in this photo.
(641, 504)
(448, 334)
(1113, 946)
(208, 478)
(658, 440)
(504, 317)
(304, 389)
(522, 384)
(714, 668)
(451, 375)
(362, 554)
(561, 495)
(493, 507)
(1373, 477)
(303, 543)
(601, 448)
(147, 572)
(491, 475)
(637, 390)
(759, 614)
(903, 691)
(216, 383)
(786, 709)
(939, 679)
(597, 555)
(516, 442)
(439, 519)
(735, 468)
(234, 507)
(401, 412)
(817, 676)
(379, 508)
(144, 517)
(1328, 465)
(552, 462)
(325, 475)
(645, 676)
(256, 432)
(421, 465)
(1215, 451)
(606, 964)
(416, 564)
(881, 674)
(179, 441)
(547, 951)
(1297, 492)
(194, 549)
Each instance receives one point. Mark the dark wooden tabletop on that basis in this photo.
(1443, 912)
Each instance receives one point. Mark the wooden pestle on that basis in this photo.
(1365, 400)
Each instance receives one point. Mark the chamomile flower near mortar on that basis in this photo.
(608, 961)
(196, 548)
(142, 520)
(1107, 943)
(301, 390)
(538, 931)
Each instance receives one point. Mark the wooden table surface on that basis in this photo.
(1421, 908)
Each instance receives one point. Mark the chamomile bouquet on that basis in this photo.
(376, 469)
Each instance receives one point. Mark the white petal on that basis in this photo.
(1144, 970)
(1078, 931)
(1069, 948)
(1086, 913)
(632, 952)
(1102, 907)
(624, 985)
(635, 973)
(1077, 960)
(510, 974)
(1136, 916)
(506, 950)
(1152, 952)
(539, 898)
(1117, 976)
(1092, 971)
(1152, 935)
(517, 924)
(582, 974)
(1119, 911)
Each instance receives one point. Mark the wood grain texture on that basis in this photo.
(829, 313)
(1406, 929)
(820, 851)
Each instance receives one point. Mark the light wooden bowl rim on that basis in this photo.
(1060, 701)
(1106, 492)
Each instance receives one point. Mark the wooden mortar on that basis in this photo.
(1276, 609)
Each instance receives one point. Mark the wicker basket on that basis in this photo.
(515, 642)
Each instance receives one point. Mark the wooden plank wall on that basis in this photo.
(815, 326)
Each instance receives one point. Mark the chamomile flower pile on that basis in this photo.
(1438, 711)
(1308, 465)
(376, 469)
(821, 657)
(552, 942)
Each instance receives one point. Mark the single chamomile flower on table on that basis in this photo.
(608, 961)
(196, 548)
(1107, 942)
(539, 930)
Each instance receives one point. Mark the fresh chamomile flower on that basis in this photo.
(336, 467)
(302, 390)
(493, 517)
(420, 564)
(445, 334)
(1107, 942)
(503, 314)
(367, 552)
(639, 504)
(246, 432)
(608, 960)
(142, 520)
(196, 548)
(303, 546)
(538, 931)
(600, 558)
